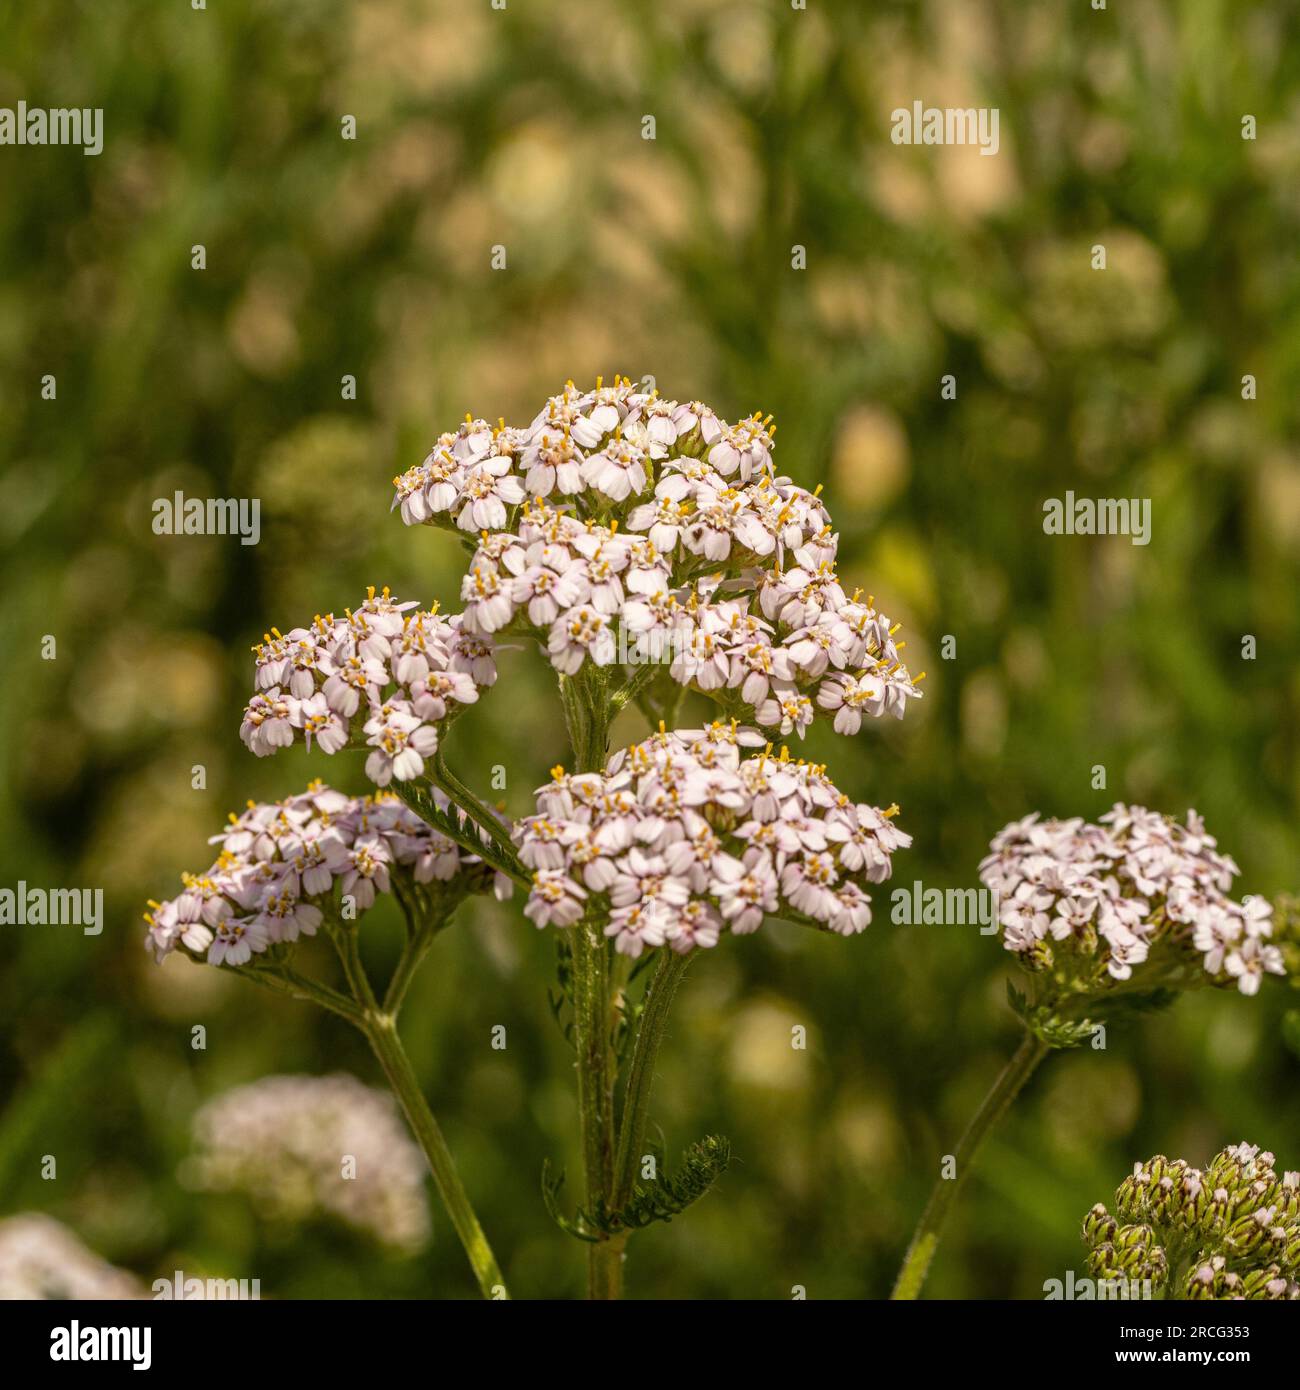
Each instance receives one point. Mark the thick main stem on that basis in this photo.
(597, 1074)
(381, 1032)
(587, 717)
(929, 1230)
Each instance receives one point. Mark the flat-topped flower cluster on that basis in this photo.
(622, 529)
(1110, 895)
(682, 838)
(1230, 1231)
(280, 861)
(381, 674)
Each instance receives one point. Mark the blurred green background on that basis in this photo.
(371, 257)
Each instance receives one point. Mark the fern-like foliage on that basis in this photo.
(579, 1225)
(454, 828)
(700, 1167)
(561, 999)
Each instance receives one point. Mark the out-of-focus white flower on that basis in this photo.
(41, 1259)
(303, 1146)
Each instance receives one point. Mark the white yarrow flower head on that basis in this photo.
(684, 837)
(620, 529)
(282, 1142)
(382, 676)
(1137, 900)
(283, 865)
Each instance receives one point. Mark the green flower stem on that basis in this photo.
(415, 950)
(587, 717)
(381, 1032)
(481, 815)
(638, 682)
(640, 1077)
(380, 1029)
(288, 982)
(597, 1073)
(344, 935)
(428, 910)
(420, 801)
(929, 1231)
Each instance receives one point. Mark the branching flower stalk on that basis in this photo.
(612, 1146)
(674, 841)
(316, 862)
(1107, 919)
(649, 550)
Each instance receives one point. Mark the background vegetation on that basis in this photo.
(673, 257)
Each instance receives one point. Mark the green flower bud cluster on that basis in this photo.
(1229, 1231)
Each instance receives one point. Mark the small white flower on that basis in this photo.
(619, 470)
(401, 742)
(786, 709)
(579, 633)
(236, 939)
(268, 722)
(556, 900)
(317, 721)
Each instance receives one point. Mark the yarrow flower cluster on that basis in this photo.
(649, 547)
(284, 1141)
(41, 1259)
(381, 674)
(683, 838)
(1101, 899)
(1231, 1231)
(622, 529)
(280, 861)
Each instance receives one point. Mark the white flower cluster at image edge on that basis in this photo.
(1120, 887)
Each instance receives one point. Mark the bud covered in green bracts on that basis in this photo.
(1229, 1231)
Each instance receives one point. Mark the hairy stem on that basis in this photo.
(481, 815)
(344, 936)
(489, 851)
(413, 952)
(640, 1076)
(380, 1029)
(596, 1079)
(929, 1231)
(288, 982)
(381, 1032)
(587, 718)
